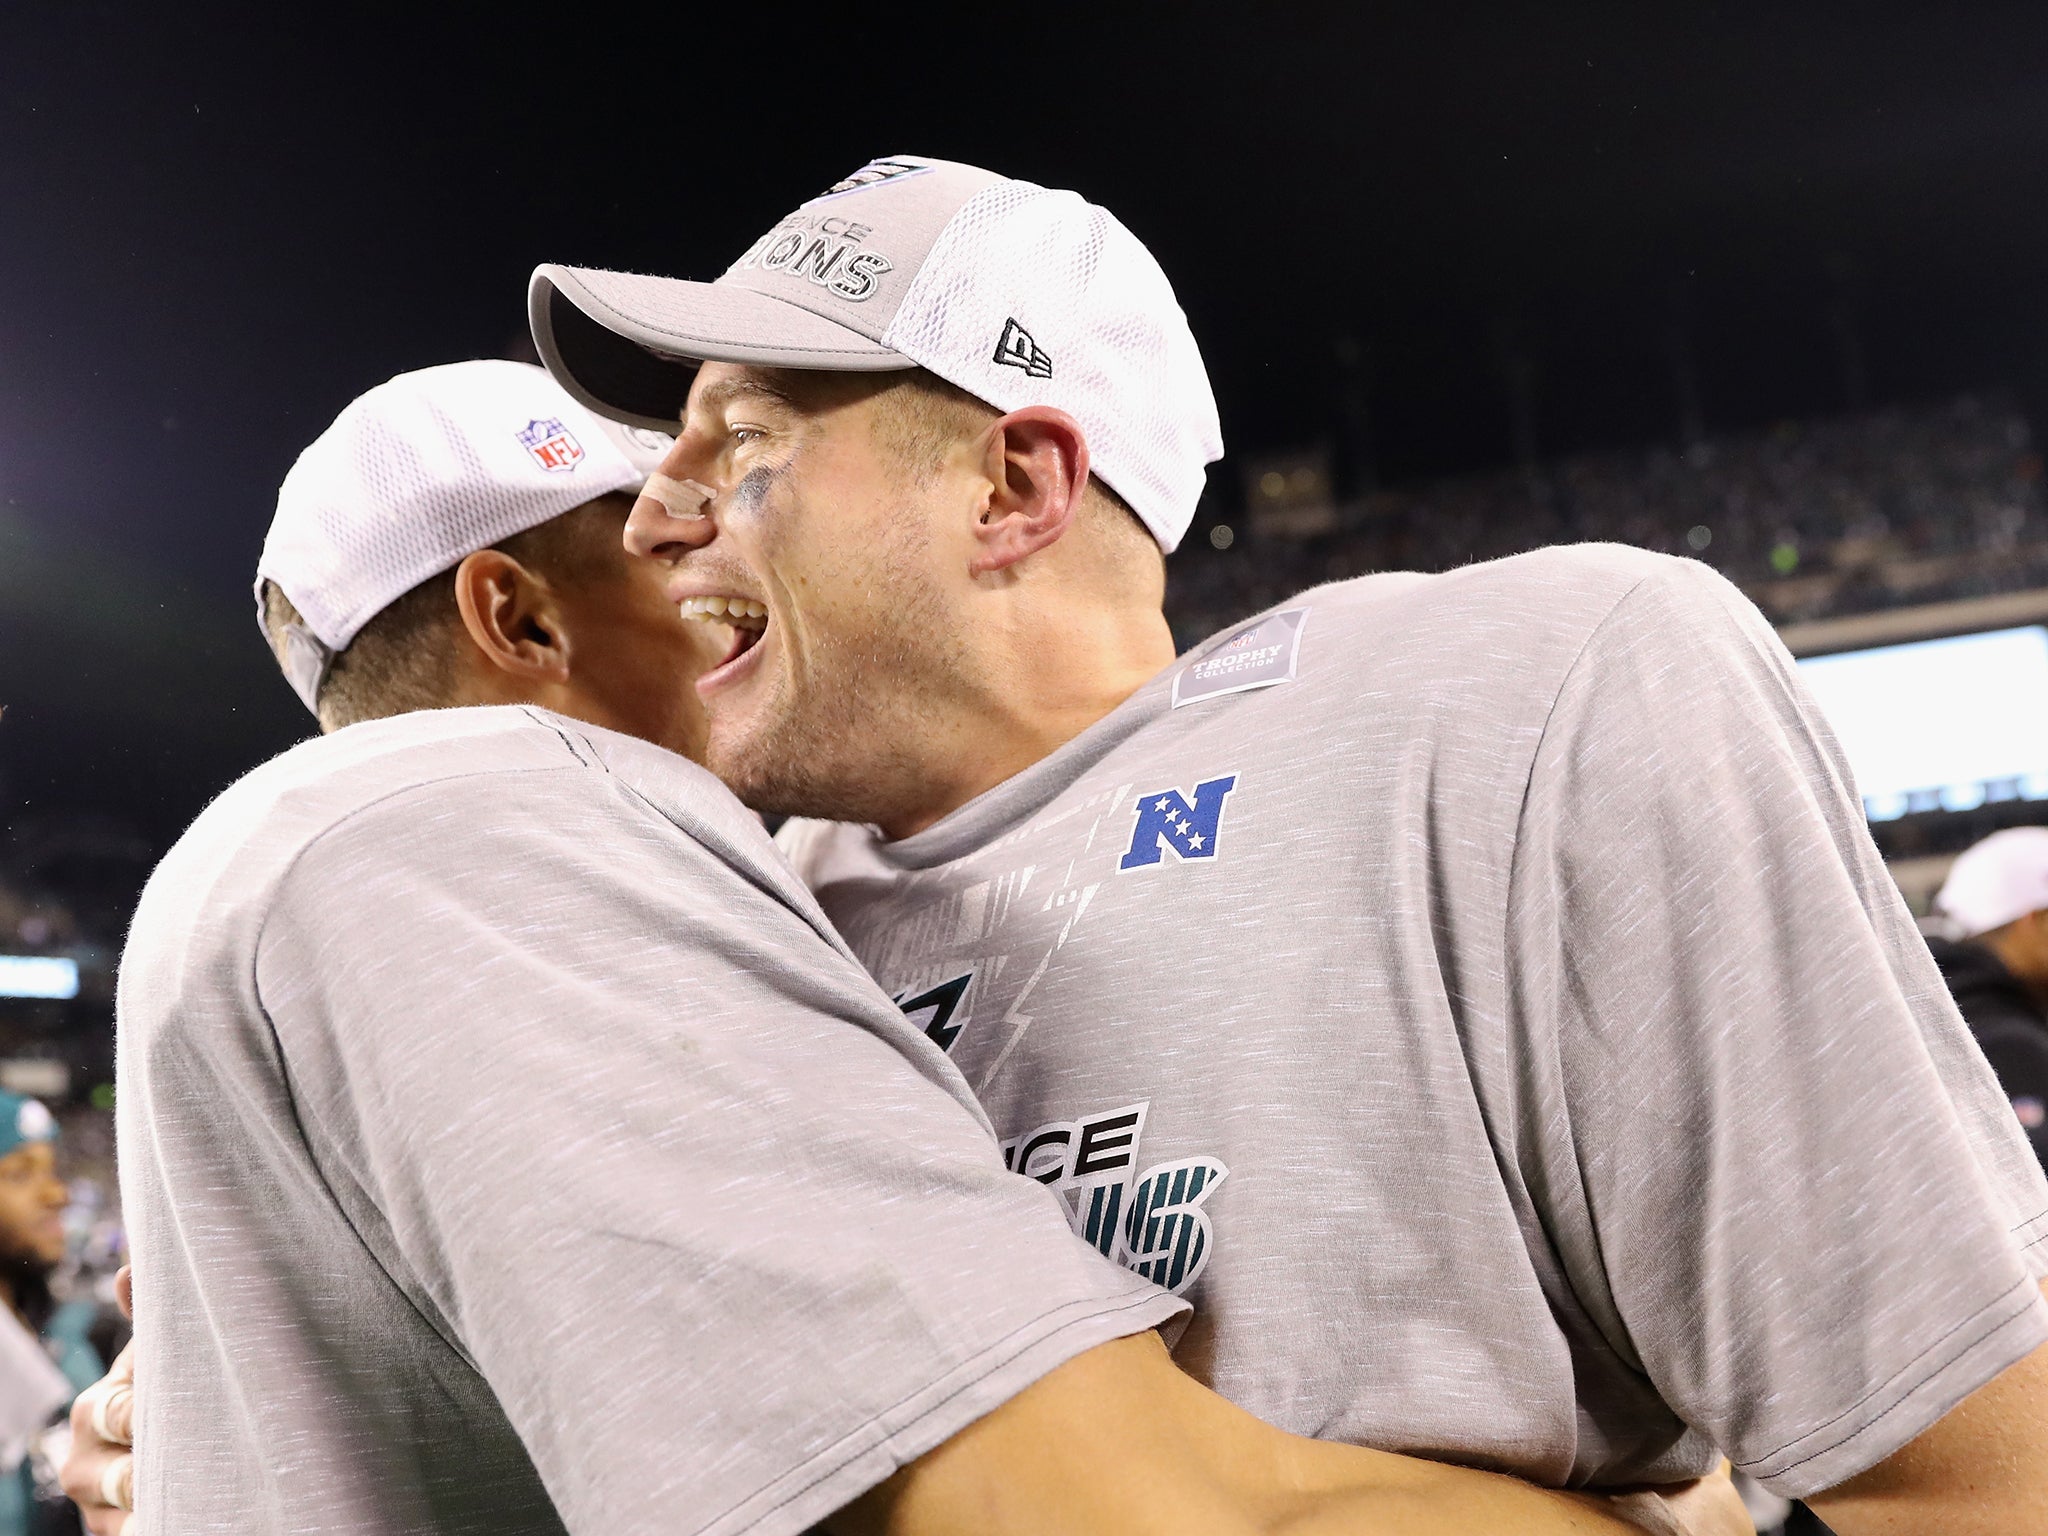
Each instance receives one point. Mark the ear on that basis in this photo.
(512, 618)
(1037, 467)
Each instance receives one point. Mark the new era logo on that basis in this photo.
(1018, 350)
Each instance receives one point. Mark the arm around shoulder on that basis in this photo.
(1120, 1439)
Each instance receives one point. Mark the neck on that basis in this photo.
(1047, 681)
(2023, 961)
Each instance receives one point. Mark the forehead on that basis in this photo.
(719, 387)
(29, 1155)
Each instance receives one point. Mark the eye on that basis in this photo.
(744, 434)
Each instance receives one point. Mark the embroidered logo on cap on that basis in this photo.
(1257, 656)
(1018, 350)
(553, 446)
(868, 175)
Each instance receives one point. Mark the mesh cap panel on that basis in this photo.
(428, 468)
(1037, 297)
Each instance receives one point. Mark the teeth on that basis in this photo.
(727, 610)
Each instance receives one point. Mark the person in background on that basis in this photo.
(1994, 957)
(46, 1357)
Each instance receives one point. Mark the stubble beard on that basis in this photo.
(854, 741)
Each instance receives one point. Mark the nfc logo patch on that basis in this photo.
(1188, 826)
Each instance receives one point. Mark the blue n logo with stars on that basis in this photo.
(1187, 824)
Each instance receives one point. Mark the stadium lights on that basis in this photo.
(38, 976)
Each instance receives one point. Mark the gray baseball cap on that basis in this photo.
(1015, 293)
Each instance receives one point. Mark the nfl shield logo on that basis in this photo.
(553, 446)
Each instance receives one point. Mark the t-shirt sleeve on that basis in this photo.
(718, 1227)
(1781, 1177)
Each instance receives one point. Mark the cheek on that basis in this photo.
(660, 646)
(808, 519)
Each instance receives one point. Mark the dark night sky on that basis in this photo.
(214, 230)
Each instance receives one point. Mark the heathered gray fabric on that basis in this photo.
(509, 1146)
(1574, 1091)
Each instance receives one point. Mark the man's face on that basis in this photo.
(637, 666)
(32, 1202)
(828, 704)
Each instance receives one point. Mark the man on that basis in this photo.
(1421, 977)
(1995, 902)
(46, 1354)
(483, 1067)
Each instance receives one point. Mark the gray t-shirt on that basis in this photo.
(509, 1146)
(1503, 1030)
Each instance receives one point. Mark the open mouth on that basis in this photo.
(747, 619)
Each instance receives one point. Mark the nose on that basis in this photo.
(670, 518)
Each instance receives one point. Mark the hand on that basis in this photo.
(1706, 1506)
(101, 1461)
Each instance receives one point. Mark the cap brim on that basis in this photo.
(628, 346)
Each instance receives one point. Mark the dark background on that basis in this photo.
(218, 226)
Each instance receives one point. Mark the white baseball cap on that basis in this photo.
(1016, 294)
(420, 472)
(1993, 882)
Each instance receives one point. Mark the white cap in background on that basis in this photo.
(419, 473)
(1016, 294)
(1996, 881)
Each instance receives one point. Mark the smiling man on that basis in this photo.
(1420, 978)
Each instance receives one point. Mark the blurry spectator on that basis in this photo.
(1995, 904)
(45, 1356)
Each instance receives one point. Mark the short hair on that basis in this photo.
(403, 659)
(923, 415)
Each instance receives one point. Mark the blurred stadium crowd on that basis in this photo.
(1812, 519)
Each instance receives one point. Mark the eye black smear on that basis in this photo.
(752, 490)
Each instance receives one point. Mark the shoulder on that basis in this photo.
(1602, 605)
(295, 797)
(1505, 634)
(1527, 610)
(1561, 587)
(397, 775)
